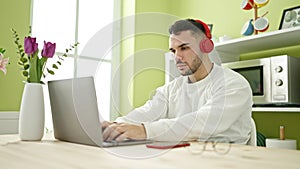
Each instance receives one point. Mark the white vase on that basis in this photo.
(32, 113)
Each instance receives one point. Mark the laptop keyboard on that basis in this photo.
(127, 142)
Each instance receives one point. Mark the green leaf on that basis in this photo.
(26, 66)
(50, 71)
(54, 66)
(58, 62)
(25, 73)
(23, 59)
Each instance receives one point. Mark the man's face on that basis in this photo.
(185, 48)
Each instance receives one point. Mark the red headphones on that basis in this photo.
(206, 45)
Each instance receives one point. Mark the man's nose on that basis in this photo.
(178, 56)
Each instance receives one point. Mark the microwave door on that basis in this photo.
(266, 97)
(257, 73)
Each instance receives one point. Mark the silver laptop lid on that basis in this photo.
(75, 111)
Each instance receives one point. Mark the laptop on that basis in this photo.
(75, 113)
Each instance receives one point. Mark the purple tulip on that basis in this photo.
(48, 50)
(30, 45)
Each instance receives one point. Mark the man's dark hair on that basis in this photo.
(184, 25)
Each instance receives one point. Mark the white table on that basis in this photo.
(53, 154)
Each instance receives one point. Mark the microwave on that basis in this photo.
(274, 81)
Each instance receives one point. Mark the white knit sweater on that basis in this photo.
(216, 107)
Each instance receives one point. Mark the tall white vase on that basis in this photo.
(32, 113)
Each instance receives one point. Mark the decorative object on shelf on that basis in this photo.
(3, 61)
(33, 67)
(258, 23)
(248, 28)
(224, 38)
(290, 18)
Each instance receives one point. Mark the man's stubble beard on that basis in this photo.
(197, 62)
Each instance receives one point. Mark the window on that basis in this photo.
(66, 22)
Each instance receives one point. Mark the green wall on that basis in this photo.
(227, 19)
(127, 50)
(155, 46)
(13, 14)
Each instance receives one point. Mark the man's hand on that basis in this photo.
(122, 131)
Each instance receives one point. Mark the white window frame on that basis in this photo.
(115, 61)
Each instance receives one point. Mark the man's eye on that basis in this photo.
(183, 48)
(172, 51)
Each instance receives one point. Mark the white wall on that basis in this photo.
(9, 122)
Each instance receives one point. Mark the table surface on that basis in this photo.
(51, 154)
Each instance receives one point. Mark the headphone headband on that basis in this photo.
(207, 30)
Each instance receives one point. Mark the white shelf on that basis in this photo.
(231, 50)
(275, 109)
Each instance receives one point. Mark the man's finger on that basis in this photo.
(113, 135)
(105, 124)
(108, 130)
(121, 137)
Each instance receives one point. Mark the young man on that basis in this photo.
(206, 102)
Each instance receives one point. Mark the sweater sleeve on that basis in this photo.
(152, 110)
(223, 114)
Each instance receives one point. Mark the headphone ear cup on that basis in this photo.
(206, 45)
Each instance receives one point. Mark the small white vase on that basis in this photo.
(32, 113)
